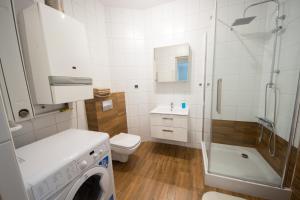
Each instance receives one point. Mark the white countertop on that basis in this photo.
(163, 109)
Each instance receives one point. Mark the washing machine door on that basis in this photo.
(93, 185)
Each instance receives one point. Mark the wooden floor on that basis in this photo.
(162, 172)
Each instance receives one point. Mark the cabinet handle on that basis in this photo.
(219, 96)
(166, 130)
(167, 118)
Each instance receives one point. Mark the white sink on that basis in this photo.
(168, 111)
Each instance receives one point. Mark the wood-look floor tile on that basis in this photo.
(162, 172)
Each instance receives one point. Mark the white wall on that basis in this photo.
(175, 23)
(127, 60)
(287, 62)
(290, 60)
(238, 61)
(91, 14)
(126, 36)
(132, 35)
(121, 43)
(47, 125)
(243, 61)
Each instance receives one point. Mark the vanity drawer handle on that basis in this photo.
(166, 130)
(167, 118)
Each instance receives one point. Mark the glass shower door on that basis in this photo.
(255, 77)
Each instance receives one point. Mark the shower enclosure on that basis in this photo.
(251, 104)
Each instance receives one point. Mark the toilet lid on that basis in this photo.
(125, 140)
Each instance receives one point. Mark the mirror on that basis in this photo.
(172, 63)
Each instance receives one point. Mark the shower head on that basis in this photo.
(243, 21)
(246, 20)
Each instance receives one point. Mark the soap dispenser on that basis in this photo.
(183, 105)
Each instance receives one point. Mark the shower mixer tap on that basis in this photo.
(279, 28)
(282, 17)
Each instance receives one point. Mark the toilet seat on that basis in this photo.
(125, 141)
(123, 145)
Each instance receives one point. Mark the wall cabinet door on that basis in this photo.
(55, 47)
(172, 63)
(13, 82)
(66, 42)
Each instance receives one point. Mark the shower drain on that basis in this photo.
(245, 155)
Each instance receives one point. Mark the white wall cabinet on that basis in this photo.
(12, 77)
(169, 127)
(56, 54)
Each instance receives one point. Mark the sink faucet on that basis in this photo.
(172, 106)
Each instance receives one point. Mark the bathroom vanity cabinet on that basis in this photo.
(169, 126)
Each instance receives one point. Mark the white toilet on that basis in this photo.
(123, 145)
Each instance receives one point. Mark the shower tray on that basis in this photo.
(244, 186)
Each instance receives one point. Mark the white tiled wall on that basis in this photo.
(238, 61)
(133, 34)
(288, 63)
(121, 43)
(243, 61)
(126, 39)
(91, 14)
(182, 22)
(47, 125)
(245, 69)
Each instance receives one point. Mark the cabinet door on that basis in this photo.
(66, 43)
(165, 70)
(165, 65)
(13, 82)
(172, 63)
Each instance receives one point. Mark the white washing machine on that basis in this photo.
(71, 165)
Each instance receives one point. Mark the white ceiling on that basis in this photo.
(134, 4)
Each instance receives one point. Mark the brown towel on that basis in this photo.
(101, 93)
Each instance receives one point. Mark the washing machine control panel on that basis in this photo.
(56, 181)
(93, 156)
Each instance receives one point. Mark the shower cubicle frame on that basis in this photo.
(234, 184)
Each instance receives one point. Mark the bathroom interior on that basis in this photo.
(204, 94)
